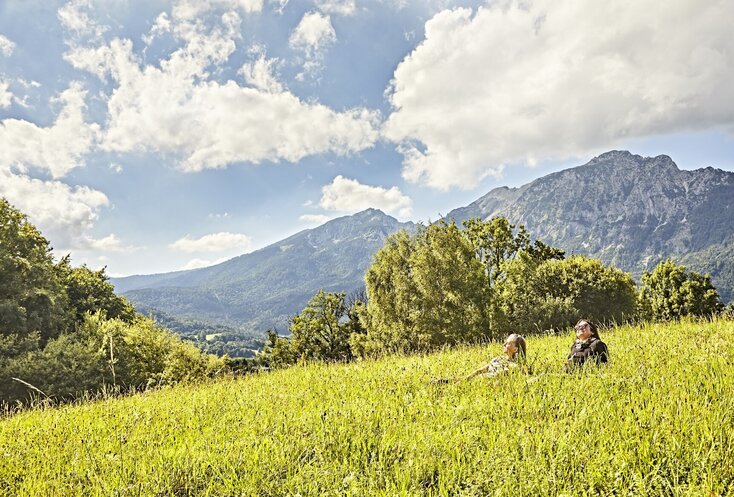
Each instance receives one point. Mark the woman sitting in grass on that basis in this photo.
(515, 350)
(515, 355)
(587, 347)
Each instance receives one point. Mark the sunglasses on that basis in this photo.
(581, 327)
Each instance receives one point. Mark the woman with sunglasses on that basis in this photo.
(587, 347)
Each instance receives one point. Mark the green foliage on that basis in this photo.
(321, 332)
(553, 294)
(425, 291)
(63, 331)
(106, 352)
(447, 286)
(671, 292)
(655, 421)
(393, 296)
(32, 298)
(89, 291)
(495, 242)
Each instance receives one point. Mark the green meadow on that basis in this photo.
(657, 420)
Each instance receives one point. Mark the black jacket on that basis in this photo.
(592, 349)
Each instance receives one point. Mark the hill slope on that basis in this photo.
(264, 288)
(657, 420)
(628, 211)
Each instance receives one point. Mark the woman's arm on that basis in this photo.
(479, 371)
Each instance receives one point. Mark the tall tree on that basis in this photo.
(452, 295)
(32, 297)
(393, 297)
(495, 242)
(321, 330)
(89, 291)
(671, 292)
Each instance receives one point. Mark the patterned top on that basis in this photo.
(499, 365)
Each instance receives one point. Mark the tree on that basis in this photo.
(425, 291)
(554, 293)
(32, 297)
(393, 297)
(452, 295)
(671, 292)
(495, 242)
(89, 291)
(320, 331)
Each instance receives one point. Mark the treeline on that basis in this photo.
(63, 331)
(446, 285)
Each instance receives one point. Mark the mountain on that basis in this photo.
(629, 211)
(264, 288)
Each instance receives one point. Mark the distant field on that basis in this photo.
(658, 420)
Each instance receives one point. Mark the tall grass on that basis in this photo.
(657, 420)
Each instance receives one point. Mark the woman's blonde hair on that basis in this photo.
(519, 342)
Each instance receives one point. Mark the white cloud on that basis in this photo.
(313, 33)
(174, 108)
(339, 7)
(56, 149)
(312, 36)
(224, 215)
(314, 218)
(198, 263)
(62, 213)
(75, 18)
(260, 74)
(348, 195)
(523, 81)
(190, 10)
(6, 46)
(110, 243)
(215, 242)
(6, 97)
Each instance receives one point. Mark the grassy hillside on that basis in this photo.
(658, 420)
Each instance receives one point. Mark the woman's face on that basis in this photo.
(583, 331)
(510, 349)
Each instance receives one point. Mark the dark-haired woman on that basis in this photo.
(588, 347)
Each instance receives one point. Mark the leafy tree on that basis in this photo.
(425, 291)
(452, 295)
(321, 332)
(277, 351)
(552, 294)
(393, 298)
(89, 291)
(671, 292)
(32, 297)
(64, 331)
(495, 242)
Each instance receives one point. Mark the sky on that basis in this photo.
(148, 136)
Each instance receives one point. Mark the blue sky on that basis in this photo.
(151, 136)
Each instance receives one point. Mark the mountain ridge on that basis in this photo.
(627, 210)
(264, 288)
